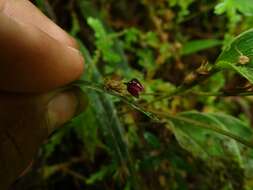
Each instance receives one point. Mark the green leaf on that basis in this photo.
(105, 115)
(199, 134)
(101, 174)
(245, 7)
(242, 45)
(198, 45)
(107, 120)
(220, 8)
(146, 58)
(230, 8)
(86, 127)
(75, 28)
(131, 36)
(40, 4)
(104, 41)
(152, 140)
(54, 141)
(114, 53)
(97, 27)
(151, 39)
(184, 6)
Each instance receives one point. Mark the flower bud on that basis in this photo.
(134, 87)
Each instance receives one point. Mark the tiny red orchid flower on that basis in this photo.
(134, 87)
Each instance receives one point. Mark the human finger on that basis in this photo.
(33, 61)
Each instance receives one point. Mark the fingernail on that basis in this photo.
(61, 109)
(75, 50)
(79, 56)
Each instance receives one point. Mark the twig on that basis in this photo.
(205, 126)
(156, 115)
(185, 87)
(74, 174)
(222, 94)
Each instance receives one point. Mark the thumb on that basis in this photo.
(30, 119)
(61, 108)
(64, 106)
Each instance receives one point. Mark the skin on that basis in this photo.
(36, 58)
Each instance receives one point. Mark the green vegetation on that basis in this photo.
(190, 129)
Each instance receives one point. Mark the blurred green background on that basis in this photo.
(164, 44)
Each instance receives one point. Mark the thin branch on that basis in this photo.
(157, 116)
(185, 87)
(206, 126)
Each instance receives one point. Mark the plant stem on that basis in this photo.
(101, 88)
(157, 116)
(205, 126)
(185, 87)
(249, 93)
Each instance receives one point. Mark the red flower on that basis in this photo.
(134, 87)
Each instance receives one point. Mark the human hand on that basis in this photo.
(36, 58)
